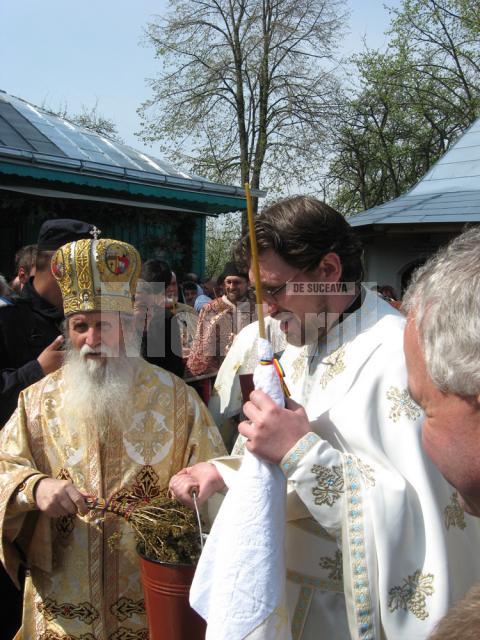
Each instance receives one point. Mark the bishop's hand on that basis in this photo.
(272, 431)
(58, 498)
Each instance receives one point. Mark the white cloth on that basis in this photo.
(226, 399)
(376, 544)
(239, 583)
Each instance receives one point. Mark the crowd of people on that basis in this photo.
(101, 358)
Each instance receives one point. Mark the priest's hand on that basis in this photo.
(272, 431)
(58, 498)
(203, 479)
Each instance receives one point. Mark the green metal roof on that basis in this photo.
(39, 148)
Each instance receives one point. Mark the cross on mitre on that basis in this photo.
(95, 232)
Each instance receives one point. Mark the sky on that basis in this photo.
(63, 54)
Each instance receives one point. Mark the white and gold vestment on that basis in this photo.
(84, 581)
(377, 546)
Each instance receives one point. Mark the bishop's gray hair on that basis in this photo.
(444, 299)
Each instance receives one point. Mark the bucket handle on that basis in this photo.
(194, 496)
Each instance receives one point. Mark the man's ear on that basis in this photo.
(22, 275)
(329, 269)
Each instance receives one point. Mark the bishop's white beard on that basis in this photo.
(98, 392)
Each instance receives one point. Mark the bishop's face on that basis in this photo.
(96, 334)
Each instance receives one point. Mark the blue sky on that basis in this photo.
(57, 52)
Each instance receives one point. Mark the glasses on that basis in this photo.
(273, 292)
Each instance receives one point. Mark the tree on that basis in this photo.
(411, 104)
(89, 119)
(222, 234)
(245, 87)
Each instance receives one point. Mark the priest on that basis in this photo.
(377, 545)
(107, 425)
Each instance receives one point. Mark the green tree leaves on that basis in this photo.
(410, 103)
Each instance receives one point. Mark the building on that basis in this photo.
(401, 234)
(52, 168)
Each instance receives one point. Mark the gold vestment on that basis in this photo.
(84, 581)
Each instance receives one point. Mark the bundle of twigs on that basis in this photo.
(166, 530)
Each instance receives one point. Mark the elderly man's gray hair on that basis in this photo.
(444, 299)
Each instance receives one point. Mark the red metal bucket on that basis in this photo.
(166, 588)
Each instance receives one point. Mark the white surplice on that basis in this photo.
(376, 543)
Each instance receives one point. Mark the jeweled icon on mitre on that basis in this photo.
(117, 259)
(58, 266)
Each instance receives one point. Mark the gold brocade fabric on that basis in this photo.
(218, 324)
(84, 574)
(97, 275)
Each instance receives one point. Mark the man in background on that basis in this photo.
(220, 321)
(25, 260)
(30, 324)
(185, 315)
(192, 297)
(161, 343)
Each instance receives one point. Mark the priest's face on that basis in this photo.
(96, 335)
(450, 433)
(302, 316)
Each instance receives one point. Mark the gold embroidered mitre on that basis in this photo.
(97, 275)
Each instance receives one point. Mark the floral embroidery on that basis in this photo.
(402, 403)
(84, 611)
(127, 634)
(65, 524)
(367, 472)
(335, 364)
(453, 514)
(411, 596)
(298, 366)
(299, 450)
(143, 490)
(125, 608)
(333, 566)
(330, 484)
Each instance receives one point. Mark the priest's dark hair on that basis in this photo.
(301, 230)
